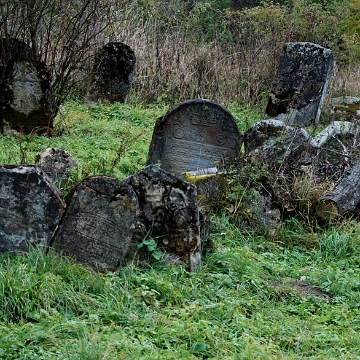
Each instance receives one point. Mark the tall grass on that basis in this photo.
(225, 55)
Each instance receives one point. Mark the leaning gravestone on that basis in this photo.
(25, 96)
(112, 74)
(30, 207)
(300, 84)
(168, 213)
(99, 222)
(194, 135)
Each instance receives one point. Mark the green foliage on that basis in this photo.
(289, 295)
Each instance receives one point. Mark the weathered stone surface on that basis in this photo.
(168, 213)
(337, 146)
(300, 84)
(264, 131)
(345, 198)
(194, 135)
(285, 151)
(112, 74)
(30, 207)
(25, 96)
(346, 108)
(56, 164)
(98, 225)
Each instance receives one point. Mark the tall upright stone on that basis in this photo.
(112, 74)
(30, 208)
(194, 135)
(300, 84)
(98, 225)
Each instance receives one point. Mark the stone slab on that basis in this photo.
(98, 225)
(112, 74)
(194, 135)
(300, 84)
(168, 213)
(30, 207)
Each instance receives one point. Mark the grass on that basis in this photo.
(294, 295)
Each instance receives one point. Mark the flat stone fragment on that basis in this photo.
(194, 135)
(346, 108)
(168, 213)
(99, 222)
(264, 131)
(112, 74)
(30, 207)
(300, 84)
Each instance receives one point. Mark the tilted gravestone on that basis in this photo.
(300, 84)
(30, 207)
(25, 90)
(112, 74)
(168, 213)
(194, 135)
(56, 164)
(98, 225)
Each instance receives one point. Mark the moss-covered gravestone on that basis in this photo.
(112, 74)
(168, 213)
(30, 208)
(300, 84)
(26, 102)
(194, 135)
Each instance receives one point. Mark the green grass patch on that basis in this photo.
(293, 295)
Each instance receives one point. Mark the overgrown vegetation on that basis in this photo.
(290, 294)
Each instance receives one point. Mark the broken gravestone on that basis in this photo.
(264, 131)
(98, 225)
(112, 74)
(56, 163)
(30, 207)
(337, 148)
(194, 135)
(300, 84)
(25, 90)
(168, 213)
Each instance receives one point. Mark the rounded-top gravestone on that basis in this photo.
(112, 74)
(194, 135)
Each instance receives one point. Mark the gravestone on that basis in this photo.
(112, 74)
(194, 135)
(30, 207)
(26, 97)
(168, 213)
(56, 164)
(98, 225)
(300, 84)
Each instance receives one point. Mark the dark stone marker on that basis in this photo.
(30, 207)
(56, 164)
(112, 74)
(300, 84)
(25, 97)
(99, 222)
(168, 213)
(194, 135)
